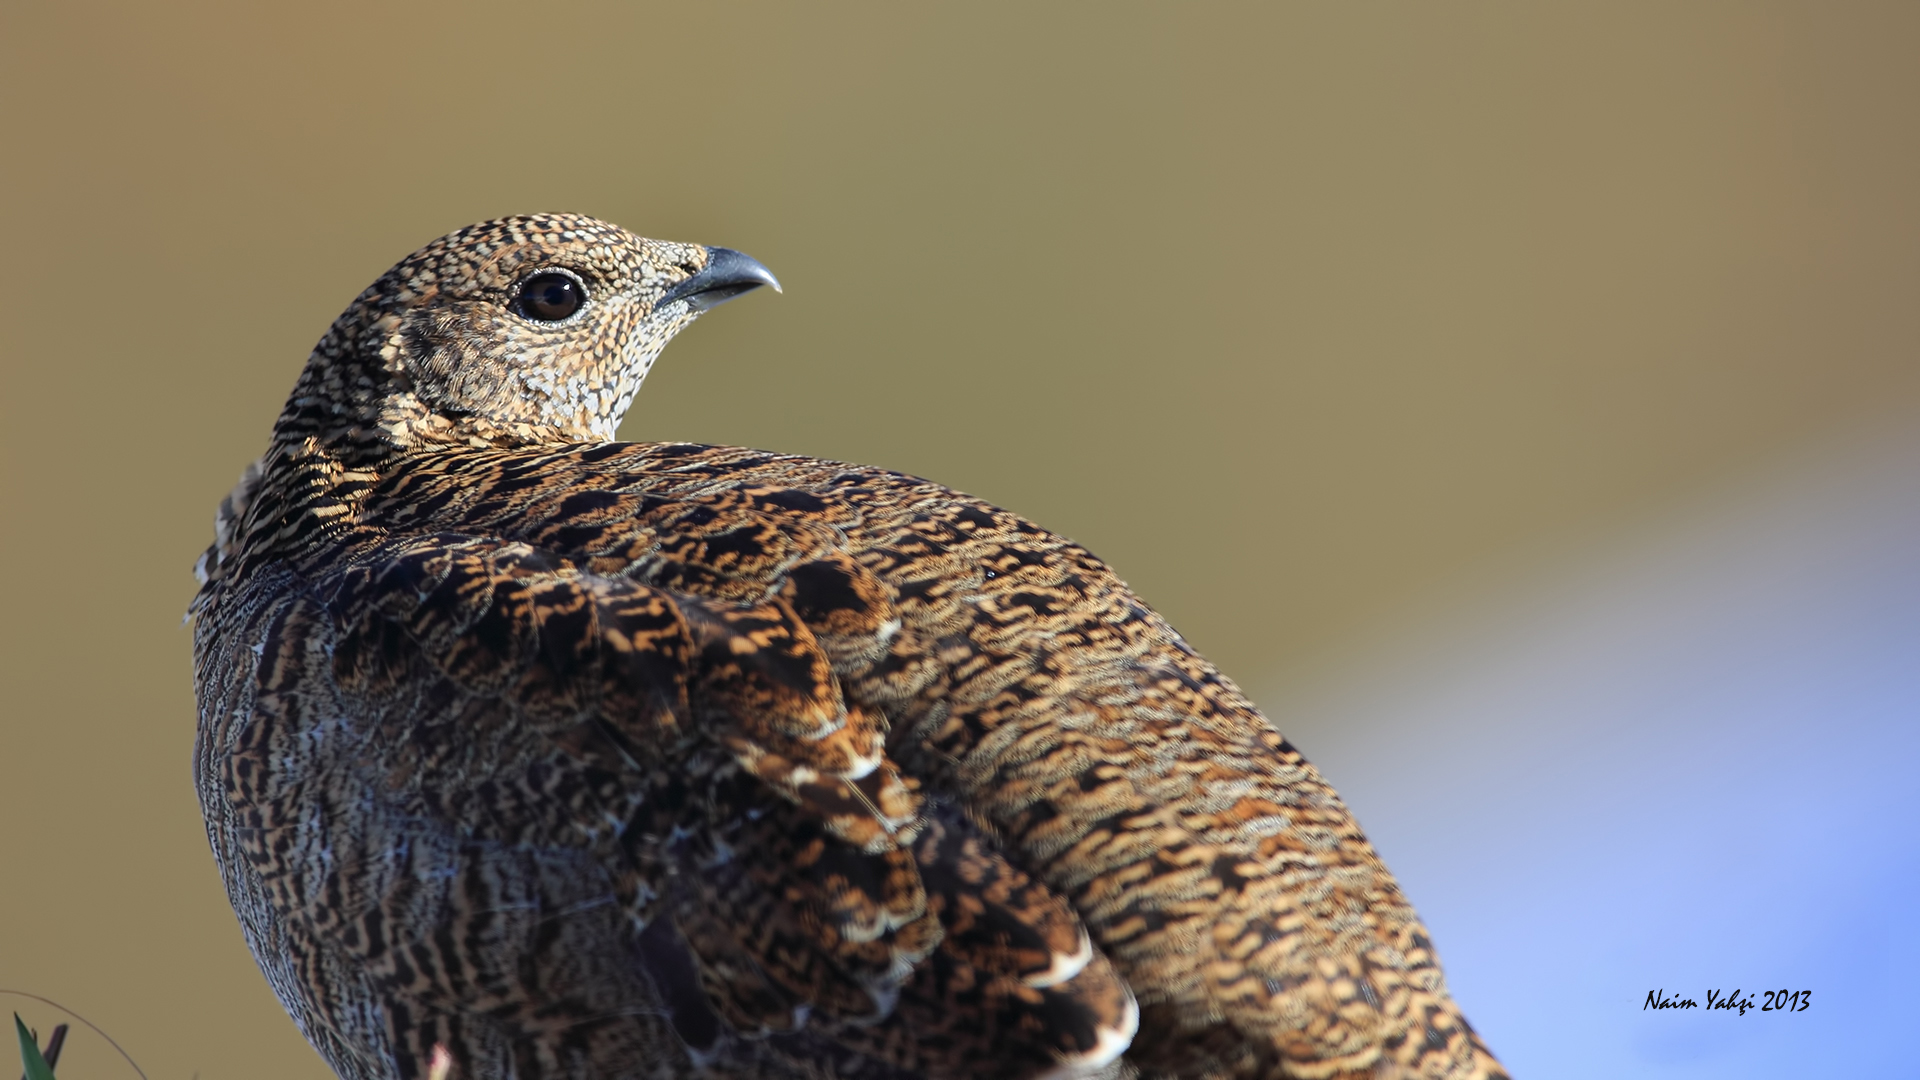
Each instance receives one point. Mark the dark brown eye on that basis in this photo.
(551, 296)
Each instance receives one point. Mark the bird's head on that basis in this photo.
(511, 332)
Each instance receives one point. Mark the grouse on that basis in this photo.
(555, 756)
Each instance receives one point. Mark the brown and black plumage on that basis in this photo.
(594, 759)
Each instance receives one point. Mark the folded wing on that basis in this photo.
(688, 763)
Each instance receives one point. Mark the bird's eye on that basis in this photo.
(550, 296)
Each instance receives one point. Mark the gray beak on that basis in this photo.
(728, 274)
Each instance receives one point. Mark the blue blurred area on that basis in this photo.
(1685, 763)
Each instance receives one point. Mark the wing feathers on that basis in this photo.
(809, 884)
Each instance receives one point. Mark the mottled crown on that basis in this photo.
(442, 348)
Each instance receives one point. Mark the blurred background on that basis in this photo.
(1522, 401)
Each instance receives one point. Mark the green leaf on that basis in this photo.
(37, 1067)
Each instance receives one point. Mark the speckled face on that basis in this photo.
(474, 345)
(521, 325)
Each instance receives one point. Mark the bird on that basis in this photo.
(534, 753)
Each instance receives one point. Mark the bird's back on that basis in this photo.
(1048, 722)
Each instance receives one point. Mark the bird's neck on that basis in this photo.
(358, 402)
(306, 495)
(388, 421)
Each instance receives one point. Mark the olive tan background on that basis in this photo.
(1371, 343)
